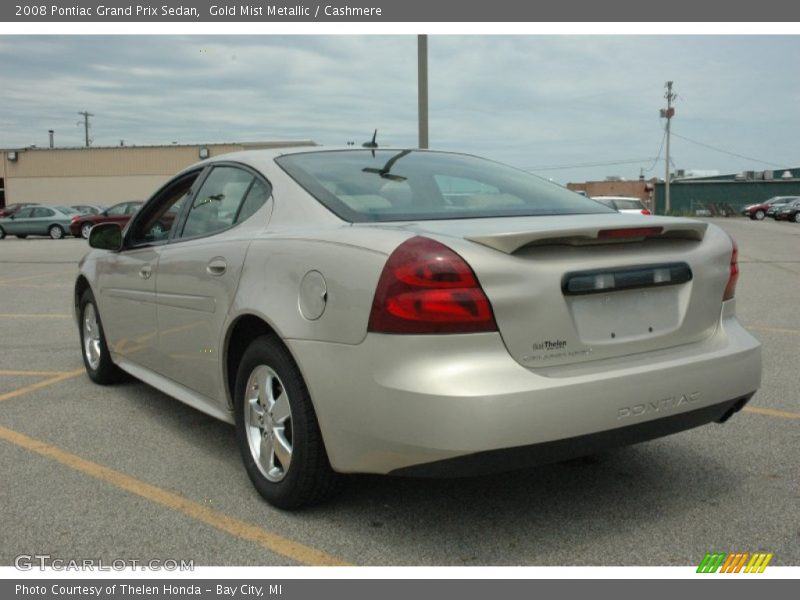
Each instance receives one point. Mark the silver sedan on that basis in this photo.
(412, 312)
(51, 221)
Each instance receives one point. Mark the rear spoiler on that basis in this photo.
(598, 234)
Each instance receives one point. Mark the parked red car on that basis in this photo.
(757, 212)
(119, 213)
(9, 210)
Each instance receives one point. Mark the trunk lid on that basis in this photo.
(576, 288)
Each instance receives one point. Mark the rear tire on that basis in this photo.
(94, 349)
(277, 429)
(2, 233)
(797, 217)
(55, 232)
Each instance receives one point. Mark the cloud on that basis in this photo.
(532, 101)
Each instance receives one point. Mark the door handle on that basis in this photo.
(145, 272)
(217, 267)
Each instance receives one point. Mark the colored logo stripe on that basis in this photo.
(711, 563)
(758, 563)
(734, 562)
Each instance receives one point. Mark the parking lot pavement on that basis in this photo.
(124, 472)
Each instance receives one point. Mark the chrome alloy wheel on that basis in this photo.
(268, 423)
(91, 337)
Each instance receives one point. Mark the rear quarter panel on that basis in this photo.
(272, 275)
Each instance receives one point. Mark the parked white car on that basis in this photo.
(623, 204)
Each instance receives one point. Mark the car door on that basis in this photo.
(127, 304)
(21, 221)
(198, 273)
(40, 219)
(127, 281)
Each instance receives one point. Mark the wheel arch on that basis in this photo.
(81, 285)
(240, 334)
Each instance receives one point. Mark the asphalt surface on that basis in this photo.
(125, 472)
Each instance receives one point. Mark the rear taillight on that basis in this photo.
(646, 212)
(730, 289)
(425, 287)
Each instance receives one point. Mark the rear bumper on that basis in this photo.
(521, 457)
(398, 403)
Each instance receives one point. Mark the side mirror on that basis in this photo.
(106, 236)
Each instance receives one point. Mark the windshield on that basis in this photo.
(406, 185)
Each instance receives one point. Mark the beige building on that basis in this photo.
(103, 175)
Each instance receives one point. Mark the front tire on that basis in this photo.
(2, 233)
(94, 349)
(759, 216)
(277, 429)
(55, 232)
(797, 217)
(85, 229)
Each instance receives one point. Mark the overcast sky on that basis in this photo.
(532, 101)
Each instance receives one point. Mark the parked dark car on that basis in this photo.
(779, 205)
(9, 210)
(119, 213)
(759, 210)
(789, 212)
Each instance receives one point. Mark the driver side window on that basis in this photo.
(154, 224)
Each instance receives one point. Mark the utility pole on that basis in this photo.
(86, 116)
(422, 88)
(668, 113)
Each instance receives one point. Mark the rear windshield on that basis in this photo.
(404, 185)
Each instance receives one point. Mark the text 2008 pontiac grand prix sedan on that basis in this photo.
(412, 312)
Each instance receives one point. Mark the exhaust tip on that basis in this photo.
(738, 405)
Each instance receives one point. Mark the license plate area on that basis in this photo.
(628, 316)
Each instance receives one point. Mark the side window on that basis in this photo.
(217, 202)
(132, 209)
(24, 213)
(42, 212)
(157, 218)
(117, 210)
(255, 199)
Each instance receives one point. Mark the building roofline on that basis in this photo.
(268, 143)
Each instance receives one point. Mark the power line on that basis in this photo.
(627, 161)
(710, 147)
(658, 156)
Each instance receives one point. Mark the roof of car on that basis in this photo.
(258, 158)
